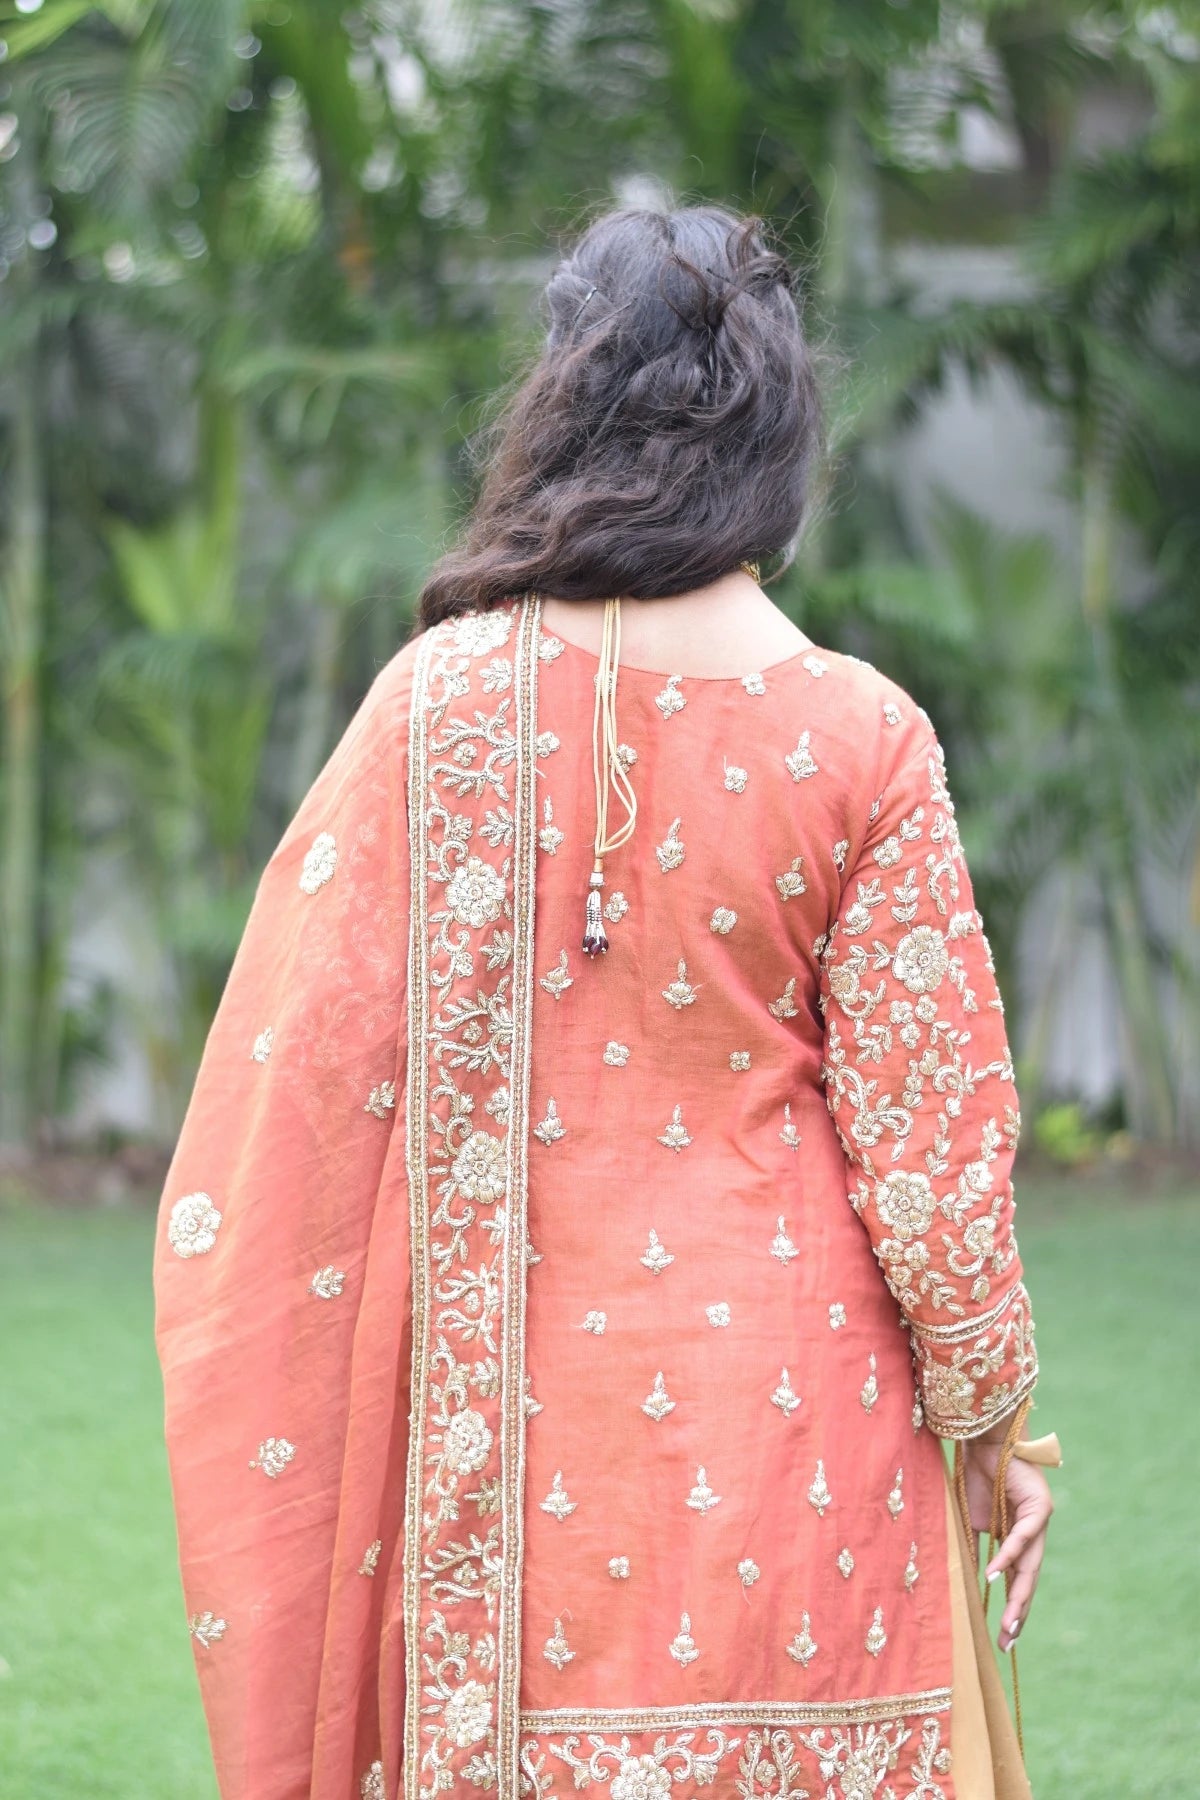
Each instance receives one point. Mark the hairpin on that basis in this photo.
(592, 290)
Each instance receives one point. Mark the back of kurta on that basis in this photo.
(734, 1514)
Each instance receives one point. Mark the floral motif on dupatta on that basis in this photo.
(473, 818)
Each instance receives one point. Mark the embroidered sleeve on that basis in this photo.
(919, 1081)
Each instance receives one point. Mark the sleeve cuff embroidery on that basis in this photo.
(974, 1372)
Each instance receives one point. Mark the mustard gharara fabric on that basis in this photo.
(556, 1350)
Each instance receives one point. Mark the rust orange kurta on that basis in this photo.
(556, 1350)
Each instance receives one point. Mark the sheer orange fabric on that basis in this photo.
(556, 1350)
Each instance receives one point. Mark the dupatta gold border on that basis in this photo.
(469, 1678)
(516, 1236)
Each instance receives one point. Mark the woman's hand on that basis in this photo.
(1030, 1506)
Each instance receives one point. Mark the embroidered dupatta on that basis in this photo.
(342, 1232)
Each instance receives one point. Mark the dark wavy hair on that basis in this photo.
(666, 431)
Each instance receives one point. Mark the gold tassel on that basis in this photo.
(609, 774)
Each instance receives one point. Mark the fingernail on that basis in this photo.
(993, 1574)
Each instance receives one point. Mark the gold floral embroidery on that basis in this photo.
(320, 861)
(475, 894)
(718, 1313)
(676, 1137)
(785, 1397)
(658, 1403)
(723, 921)
(683, 1649)
(326, 1284)
(735, 779)
(616, 908)
(547, 743)
(556, 981)
(819, 1495)
(905, 1202)
(478, 632)
(618, 1568)
(557, 1650)
(264, 1043)
(869, 1392)
(837, 1316)
(193, 1226)
(791, 883)
(670, 700)
(477, 1171)
(702, 1499)
(371, 1787)
(557, 1502)
(803, 1646)
(782, 1247)
(680, 992)
(789, 1134)
(739, 1060)
(550, 647)
(371, 1555)
(626, 756)
(785, 1007)
(550, 838)
(801, 763)
(754, 684)
(815, 666)
(551, 1128)
(876, 1635)
(895, 1500)
(595, 1322)
(497, 676)
(381, 1100)
(657, 1256)
(616, 1055)
(274, 1455)
(839, 854)
(845, 1561)
(670, 852)
(748, 1571)
(892, 714)
(921, 960)
(207, 1629)
(911, 1572)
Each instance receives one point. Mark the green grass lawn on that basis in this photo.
(97, 1695)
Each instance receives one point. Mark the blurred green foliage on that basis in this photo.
(262, 267)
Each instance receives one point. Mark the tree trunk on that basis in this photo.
(24, 604)
(1150, 1089)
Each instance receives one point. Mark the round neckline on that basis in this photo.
(673, 675)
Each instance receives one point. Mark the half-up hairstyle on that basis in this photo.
(666, 432)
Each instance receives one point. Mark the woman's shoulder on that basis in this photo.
(876, 722)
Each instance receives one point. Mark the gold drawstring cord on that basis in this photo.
(609, 773)
(999, 1526)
